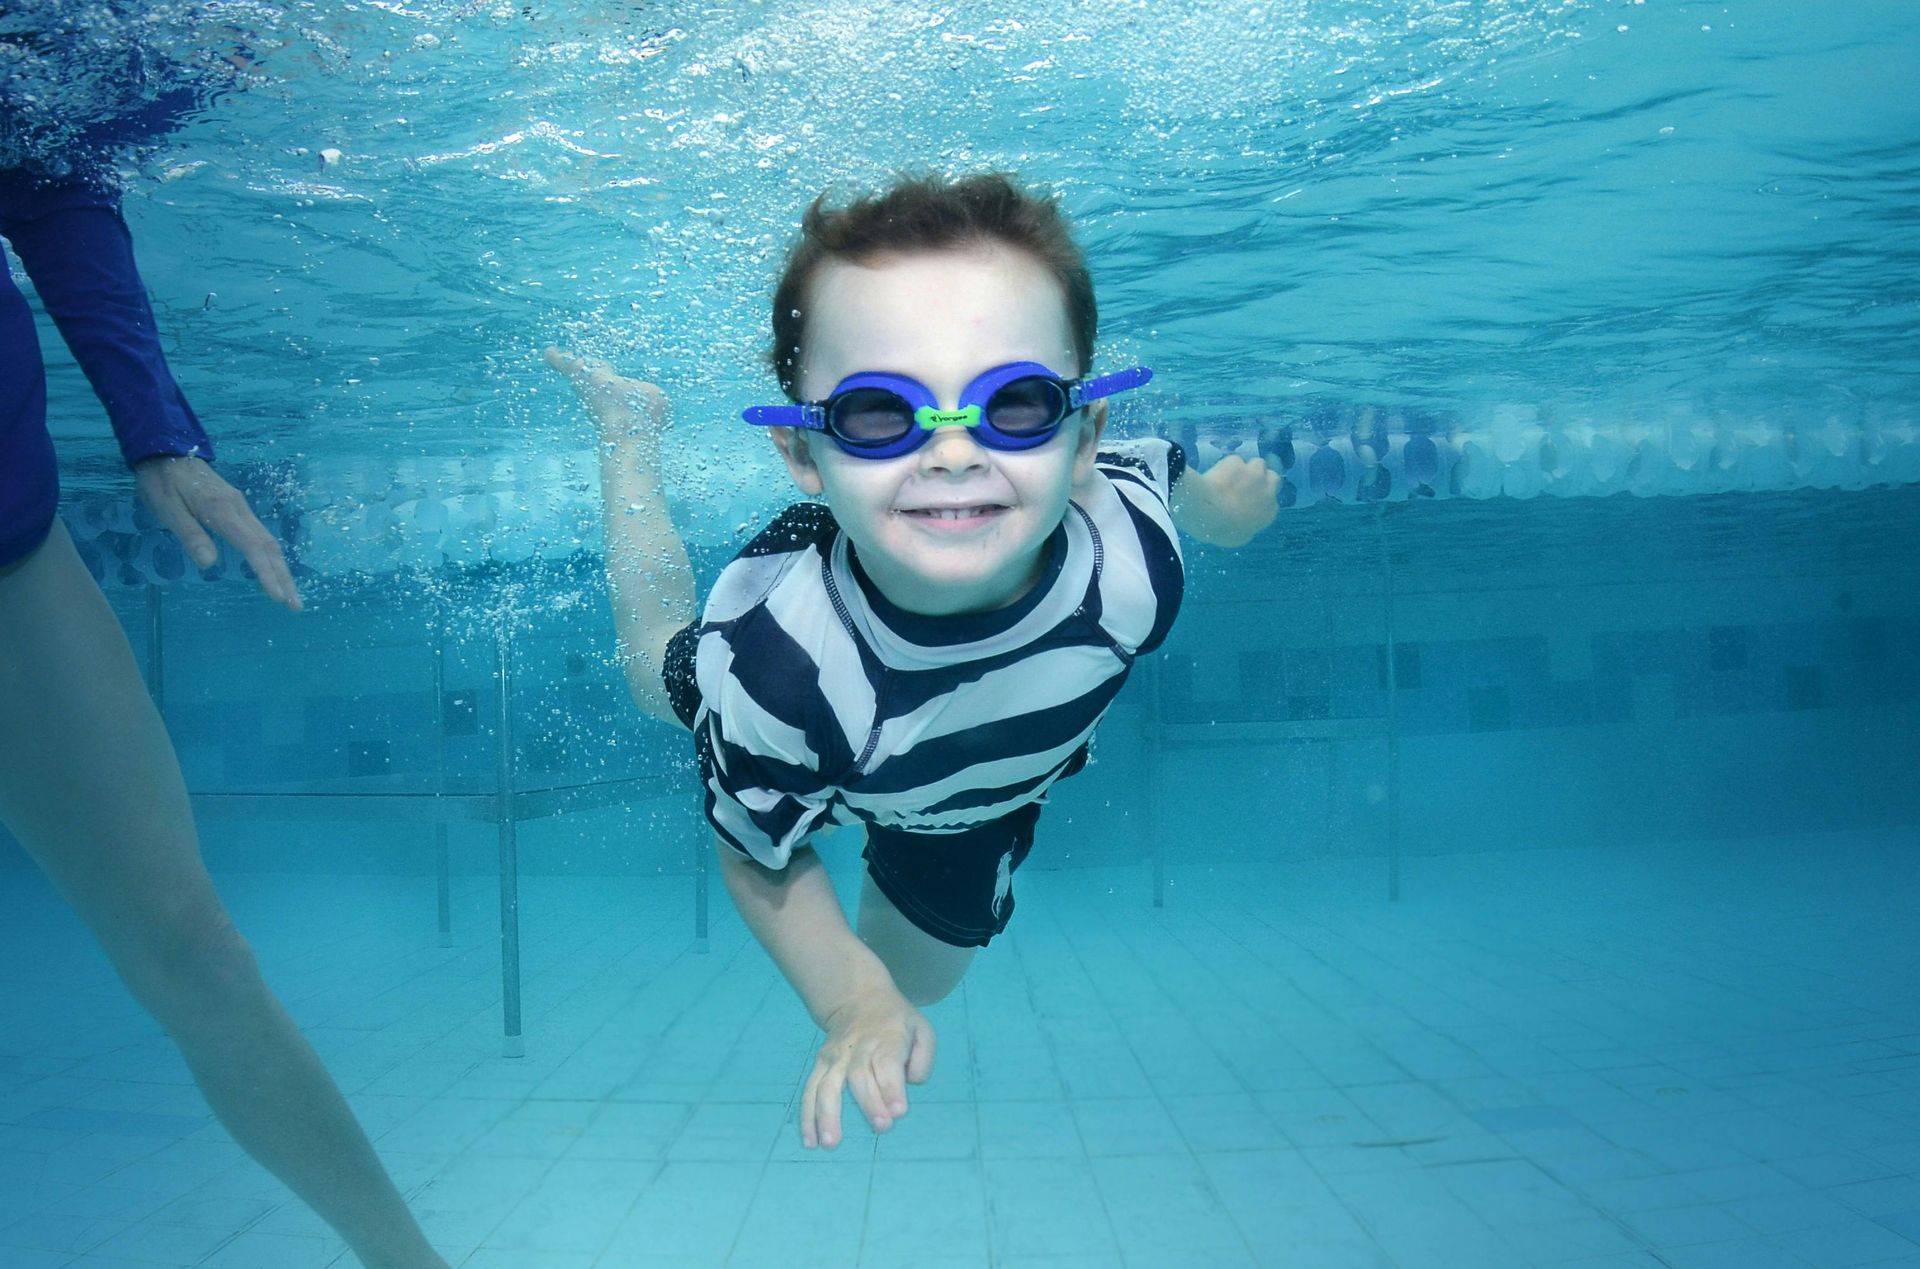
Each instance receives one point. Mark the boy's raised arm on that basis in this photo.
(1228, 503)
(648, 572)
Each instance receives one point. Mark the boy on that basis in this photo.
(931, 649)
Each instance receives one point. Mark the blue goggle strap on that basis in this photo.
(1108, 385)
(813, 414)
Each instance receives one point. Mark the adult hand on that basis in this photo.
(877, 1043)
(185, 494)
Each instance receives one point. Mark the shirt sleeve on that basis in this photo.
(763, 729)
(1151, 461)
(750, 801)
(764, 796)
(746, 801)
(70, 237)
(1143, 578)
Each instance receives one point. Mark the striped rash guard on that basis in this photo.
(815, 701)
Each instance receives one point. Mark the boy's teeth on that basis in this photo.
(949, 513)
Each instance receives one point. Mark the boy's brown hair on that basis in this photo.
(930, 213)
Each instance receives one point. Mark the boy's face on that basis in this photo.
(942, 318)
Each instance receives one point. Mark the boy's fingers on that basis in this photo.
(809, 1100)
(920, 1056)
(807, 1137)
(866, 1094)
(889, 1083)
(812, 1131)
(826, 1109)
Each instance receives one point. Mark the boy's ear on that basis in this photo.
(1090, 429)
(793, 447)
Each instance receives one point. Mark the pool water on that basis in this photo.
(1509, 861)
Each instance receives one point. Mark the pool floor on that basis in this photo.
(1702, 1056)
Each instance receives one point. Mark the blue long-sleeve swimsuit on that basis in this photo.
(71, 239)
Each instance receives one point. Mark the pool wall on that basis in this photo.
(1641, 672)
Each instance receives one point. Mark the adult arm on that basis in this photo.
(75, 246)
(70, 237)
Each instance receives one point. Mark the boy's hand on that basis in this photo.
(877, 1043)
(626, 409)
(1229, 502)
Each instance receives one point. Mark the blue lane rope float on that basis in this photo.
(347, 516)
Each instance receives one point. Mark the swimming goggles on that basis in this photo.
(1017, 406)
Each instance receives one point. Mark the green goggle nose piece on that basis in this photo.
(928, 417)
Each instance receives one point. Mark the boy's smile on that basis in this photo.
(953, 526)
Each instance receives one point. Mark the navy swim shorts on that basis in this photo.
(29, 479)
(957, 887)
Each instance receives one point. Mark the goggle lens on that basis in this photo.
(870, 416)
(873, 418)
(1027, 407)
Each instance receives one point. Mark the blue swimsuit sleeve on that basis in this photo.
(76, 248)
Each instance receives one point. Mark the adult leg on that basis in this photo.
(92, 788)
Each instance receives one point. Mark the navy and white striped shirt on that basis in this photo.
(813, 700)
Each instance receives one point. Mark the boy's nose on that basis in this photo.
(953, 450)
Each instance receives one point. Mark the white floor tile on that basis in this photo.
(1565, 1059)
